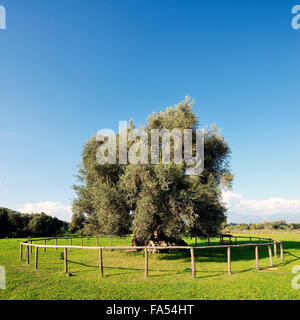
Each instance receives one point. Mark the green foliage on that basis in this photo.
(77, 222)
(16, 224)
(156, 200)
(43, 225)
(295, 226)
(275, 226)
(4, 223)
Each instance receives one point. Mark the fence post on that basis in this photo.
(56, 243)
(27, 254)
(97, 242)
(193, 262)
(275, 249)
(71, 241)
(229, 260)
(66, 260)
(101, 262)
(110, 239)
(281, 252)
(45, 242)
(82, 242)
(146, 263)
(36, 258)
(270, 255)
(21, 252)
(256, 257)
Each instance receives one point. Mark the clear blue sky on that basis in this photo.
(69, 68)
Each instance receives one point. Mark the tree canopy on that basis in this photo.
(155, 200)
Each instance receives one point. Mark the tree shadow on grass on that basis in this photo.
(166, 272)
(237, 254)
(218, 255)
(212, 273)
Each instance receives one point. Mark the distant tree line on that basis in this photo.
(16, 224)
(272, 226)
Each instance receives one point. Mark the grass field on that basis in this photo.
(169, 274)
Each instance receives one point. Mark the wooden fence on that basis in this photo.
(29, 245)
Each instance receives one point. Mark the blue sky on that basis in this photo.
(70, 68)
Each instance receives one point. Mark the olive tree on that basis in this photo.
(156, 201)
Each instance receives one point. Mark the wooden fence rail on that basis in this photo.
(30, 244)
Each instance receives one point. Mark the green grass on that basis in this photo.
(169, 274)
